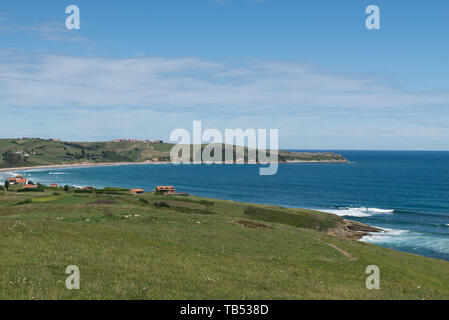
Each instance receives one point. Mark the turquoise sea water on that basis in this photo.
(406, 193)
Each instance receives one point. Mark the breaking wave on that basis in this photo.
(7, 174)
(358, 212)
(414, 241)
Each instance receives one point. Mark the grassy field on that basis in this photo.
(37, 152)
(134, 247)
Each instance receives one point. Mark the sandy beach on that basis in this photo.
(105, 164)
(79, 165)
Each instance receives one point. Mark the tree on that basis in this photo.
(12, 157)
(30, 182)
(7, 185)
(66, 188)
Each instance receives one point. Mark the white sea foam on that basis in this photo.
(58, 173)
(358, 212)
(413, 240)
(7, 174)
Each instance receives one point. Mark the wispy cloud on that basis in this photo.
(57, 95)
(50, 31)
(187, 84)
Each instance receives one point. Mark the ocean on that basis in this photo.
(404, 192)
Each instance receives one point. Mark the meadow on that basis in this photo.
(170, 247)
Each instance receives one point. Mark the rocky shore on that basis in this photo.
(352, 229)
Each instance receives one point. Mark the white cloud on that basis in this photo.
(92, 98)
(195, 85)
(51, 31)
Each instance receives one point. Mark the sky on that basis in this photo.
(311, 69)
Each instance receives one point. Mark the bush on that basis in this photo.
(106, 192)
(115, 189)
(145, 201)
(2, 188)
(161, 204)
(27, 190)
(206, 203)
(27, 201)
(83, 191)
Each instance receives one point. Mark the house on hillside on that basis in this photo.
(137, 191)
(165, 189)
(12, 180)
(54, 185)
(21, 181)
(131, 140)
(30, 186)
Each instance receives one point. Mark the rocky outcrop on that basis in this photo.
(352, 229)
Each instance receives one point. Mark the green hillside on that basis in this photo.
(35, 152)
(168, 247)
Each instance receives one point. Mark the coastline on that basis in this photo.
(347, 229)
(315, 161)
(353, 230)
(79, 165)
(106, 164)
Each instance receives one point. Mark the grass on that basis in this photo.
(128, 249)
(36, 152)
(297, 218)
(44, 200)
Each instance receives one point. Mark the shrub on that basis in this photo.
(27, 201)
(206, 203)
(83, 191)
(161, 204)
(113, 189)
(145, 201)
(27, 190)
(105, 191)
(2, 188)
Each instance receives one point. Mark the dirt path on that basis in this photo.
(343, 252)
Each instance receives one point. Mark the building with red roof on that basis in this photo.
(137, 191)
(165, 189)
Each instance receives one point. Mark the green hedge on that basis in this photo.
(83, 191)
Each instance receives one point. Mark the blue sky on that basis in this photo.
(309, 68)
